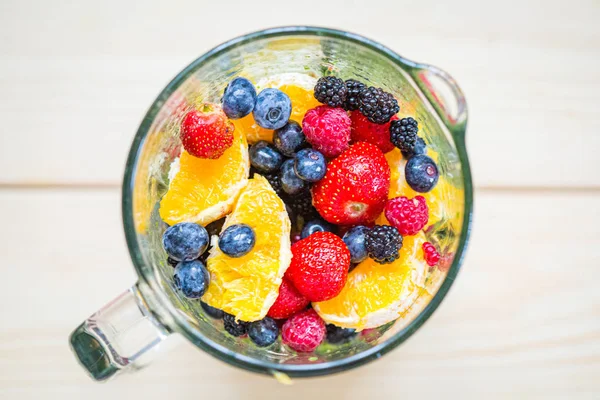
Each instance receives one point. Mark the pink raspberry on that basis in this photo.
(430, 254)
(327, 129)
(304, 331)
(364, 130)
(409, 216)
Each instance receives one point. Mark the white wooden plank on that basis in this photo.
(522, 321)
(76, 79)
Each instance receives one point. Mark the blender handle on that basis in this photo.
(122, 335)
(446, 97)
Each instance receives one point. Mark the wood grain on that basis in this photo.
(76, 79)
(522, 321)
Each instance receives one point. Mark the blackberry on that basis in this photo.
(403, 134)
(383, 244)
(335, 334)
(234, 328)
(352, 96)
(275, 182)
(331, 91)
(378, 106)
(302, 206)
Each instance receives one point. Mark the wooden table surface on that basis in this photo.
(523, 319)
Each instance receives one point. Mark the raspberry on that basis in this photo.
(304, 332)
(409, 216)
(403, 135)
(331, 91)
(430, 254)
(288, 302)
(327, 129)
(383, 244)
(378, 106)
(319, 266)
(352, 96)
(364, 130)
(355, 187)
(206, 132)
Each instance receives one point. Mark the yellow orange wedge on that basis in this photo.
(376, 294)
(204, 190)
(247, 287)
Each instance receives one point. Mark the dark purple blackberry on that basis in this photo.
(403, 134)
(420, 148)
(383, 244)
(302, 206)
(275, 183)
(331, 91)
(335, 334)
(234, 328)
(378, 106)
(353, 95)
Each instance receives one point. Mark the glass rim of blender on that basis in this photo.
(182, 325)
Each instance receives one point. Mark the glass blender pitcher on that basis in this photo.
(124, 334)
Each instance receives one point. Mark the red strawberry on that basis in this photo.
(289, 301)
(319, 266)
(364, 130)
(327, 129)
(409, 216)
(304, 331)
(355, 187)
(206, 132)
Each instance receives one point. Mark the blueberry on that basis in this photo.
(421, 173)
(290, 138)
(273, 109)
(237, 240)
(233, 327)
(239, 98)
(315, 225)
(335, 334)
(172, 262)
(265, 157)
(355, 240)
(290, 182)
(212, 311)
(185, 241)
(192, 278)
(310, 165)
(264, 332)
(420, 148)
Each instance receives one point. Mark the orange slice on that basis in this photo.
(376, 294)
(203, 190)
(247, 287)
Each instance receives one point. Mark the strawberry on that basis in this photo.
(355, 188)
(319, 266)
(206, 132)
(289, 301)
(364, 130)
(327, 129)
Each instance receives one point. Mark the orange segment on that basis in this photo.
(376, 294)
(247, 287)
(204, 190)
(252, 131)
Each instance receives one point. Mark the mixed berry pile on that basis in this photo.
(331, 173)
